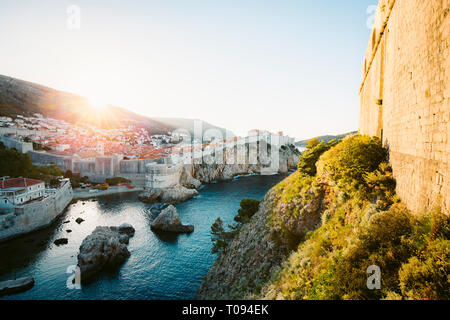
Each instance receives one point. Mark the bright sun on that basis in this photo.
(98, 103)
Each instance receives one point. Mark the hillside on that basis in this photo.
(316, 234)
(18, 97)
(188, 124)
(303, 143)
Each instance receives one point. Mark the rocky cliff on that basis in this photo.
(261, 246)
(315, 236)
(189, 177)
(236, 161)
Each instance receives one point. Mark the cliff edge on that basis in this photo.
(317, 233)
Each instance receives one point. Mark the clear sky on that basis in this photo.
(291, 65)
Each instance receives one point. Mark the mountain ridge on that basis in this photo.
(20, 97)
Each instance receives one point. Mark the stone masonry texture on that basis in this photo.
(405, 97)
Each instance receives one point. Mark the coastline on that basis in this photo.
(80, 194)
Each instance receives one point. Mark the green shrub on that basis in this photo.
(383, 242)
(349, 162)
(382, 184)
(116, 180)
(248, 208)
(427, 276)
(362, 224)
(307, 161)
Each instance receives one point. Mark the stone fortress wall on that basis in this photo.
(20, 146)
(405, 97)
(99, 169)
(37, 214)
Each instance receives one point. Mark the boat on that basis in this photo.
(103, 186)
(130, 186)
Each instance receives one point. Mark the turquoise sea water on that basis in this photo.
(163, 266)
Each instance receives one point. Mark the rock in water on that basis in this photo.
(168, 220)
(105, 247)
(61, 241)
(158, 207)
(174, 194)
(16, 286)
(127, 229)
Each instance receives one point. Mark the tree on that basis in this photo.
(15, 164)
(68, 174)
(55, 182)
(248, 208)
(219, 237)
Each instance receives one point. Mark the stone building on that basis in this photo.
(34, 206)
(16, 191)
(405, 97)
(160, 176)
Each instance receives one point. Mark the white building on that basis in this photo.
(17, 191)
(100, 148)
(273, 138)
(62, 147)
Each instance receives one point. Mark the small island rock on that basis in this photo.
(79, 220)
(105, 247)
(61, 241)
(168, 220)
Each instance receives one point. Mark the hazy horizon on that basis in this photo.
(291, 65)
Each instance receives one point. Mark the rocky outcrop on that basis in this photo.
(61, 241)
(157, 208)
(79, 220)
(186, 178)
(104, 248)
(126, 228)
(169, 221)
(262, 245)
(233, 165)
(248, 261)
(16, 286)
(174, 194)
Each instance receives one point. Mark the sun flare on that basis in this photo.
(98, 103)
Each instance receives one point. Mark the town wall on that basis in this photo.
(405, 97)
(35, 215)
(20, 146)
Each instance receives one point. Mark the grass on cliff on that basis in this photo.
(344, 217)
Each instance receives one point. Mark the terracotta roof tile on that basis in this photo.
(18, 183)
